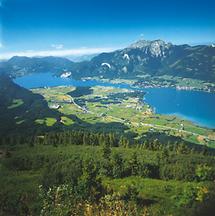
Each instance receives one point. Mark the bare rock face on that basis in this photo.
(154, 58)
(156, 48)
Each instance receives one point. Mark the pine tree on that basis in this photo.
(89, 185)
(118, 168)
(85, 139)
(106, 151)
(134, 164)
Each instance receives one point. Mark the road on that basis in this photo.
(144, 124)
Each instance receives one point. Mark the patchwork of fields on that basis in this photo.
(108, 105)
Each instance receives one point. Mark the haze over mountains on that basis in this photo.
(141, 58)
(94, 121)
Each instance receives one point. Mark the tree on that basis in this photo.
(182, 149)
(89, 185)
(86, 140)
(106, 151)
(187, 196)
(118, 168)
(191, 195)
(106, 168)
(113, 140)
(204, 172)
(164, 155)
(134, 164)
(123, 142)
(131, 193)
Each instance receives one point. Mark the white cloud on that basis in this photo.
(60, 53)
(57, 46)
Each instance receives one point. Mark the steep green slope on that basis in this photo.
(152, 58)
(25, 112)
(19, 108)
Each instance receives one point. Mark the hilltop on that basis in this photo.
(142, 58)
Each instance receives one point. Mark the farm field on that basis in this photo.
(113, 105)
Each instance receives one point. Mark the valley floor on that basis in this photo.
(109, 105)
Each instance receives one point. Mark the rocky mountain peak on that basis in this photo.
(155, 48)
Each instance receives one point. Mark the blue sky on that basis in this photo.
(88, 26)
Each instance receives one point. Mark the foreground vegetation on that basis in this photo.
(99, 151)
(102, 174)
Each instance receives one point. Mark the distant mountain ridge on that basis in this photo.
(141, 58)
(153, 58)
(21, 65)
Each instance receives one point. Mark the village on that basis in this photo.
(175, 82)
(109, 104)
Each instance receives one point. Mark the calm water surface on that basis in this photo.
(198, 107)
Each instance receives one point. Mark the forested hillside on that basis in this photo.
(79, 173)
(154, 58)
(19, 108)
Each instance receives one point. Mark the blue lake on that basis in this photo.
(195, 106)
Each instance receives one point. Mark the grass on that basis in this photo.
(67, 121)
(154, 189)
(20, 122)
(126, 112)
(16, 103)
(47, 121)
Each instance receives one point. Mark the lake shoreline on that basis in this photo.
(171, 97)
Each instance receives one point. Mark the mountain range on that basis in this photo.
(21, 65)
(144, 57)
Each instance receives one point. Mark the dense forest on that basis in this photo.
(86, 173)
